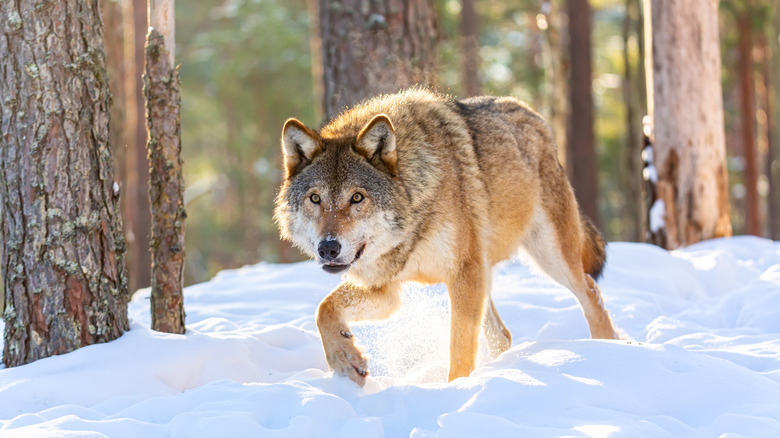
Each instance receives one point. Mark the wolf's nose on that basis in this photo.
(329, 249)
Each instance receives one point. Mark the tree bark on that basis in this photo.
(376, 47)
(583, 168)
(63, 258)
(685, 105)
(747, 100)
(557, 73)
(166, 188)
(315, 47)
(630, 170)
(114, 43)
(469, 48)
(136, 208)
(772, 79)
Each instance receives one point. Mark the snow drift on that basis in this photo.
(702, 358)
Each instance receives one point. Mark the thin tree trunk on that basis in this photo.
(763, 114)
(640, 90)
(143, 221)
(63, 256)
(114, 42)
(772, 78)
(748, 116)
(630, 169)
(129, 187)
(581, 141)
(166, 189)
(685, 105)
(315, 46)
(469, 48)
(376, 47)
(140, 275)
(557, 72)
(135, 190)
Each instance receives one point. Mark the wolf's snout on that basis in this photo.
(329, 249)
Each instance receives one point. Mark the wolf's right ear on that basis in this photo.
(377, 141)
(299, 145)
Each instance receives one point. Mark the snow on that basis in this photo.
(649, 173)
(657, 215)
(703, 360)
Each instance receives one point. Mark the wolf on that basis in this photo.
(418, 186)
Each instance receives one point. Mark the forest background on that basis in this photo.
(246, 66)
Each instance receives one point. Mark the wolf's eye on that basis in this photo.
(356, 198)
(314, 198)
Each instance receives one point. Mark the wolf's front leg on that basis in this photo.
(468, 294)
(350, 303)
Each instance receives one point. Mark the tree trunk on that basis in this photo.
(772, 79)
(136, 205)
(469, 48)
(369, 48)
(747, 102)
(557, 72)
(583, 168)
(63, 257)
(315, 47)
(114, 42)
(685, 104)
(629, 169)
(166, 188)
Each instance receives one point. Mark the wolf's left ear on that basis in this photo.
(299, 145)
(377, 141)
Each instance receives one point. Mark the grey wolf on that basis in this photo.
(421, 187)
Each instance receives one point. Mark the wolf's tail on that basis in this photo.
(594, 255)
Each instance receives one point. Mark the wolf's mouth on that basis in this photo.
(333, 268)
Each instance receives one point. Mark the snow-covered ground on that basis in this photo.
(703, 360)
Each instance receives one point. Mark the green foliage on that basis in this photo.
(510, 49)
(245, 68)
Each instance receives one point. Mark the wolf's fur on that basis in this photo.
(449, 188)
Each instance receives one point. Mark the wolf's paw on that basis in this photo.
(346, 360)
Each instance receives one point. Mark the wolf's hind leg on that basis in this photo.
(544, 244)
(597, 315)
(348, 303)
(499, 339)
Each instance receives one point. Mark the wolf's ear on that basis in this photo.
(299, 145)
(377, 141)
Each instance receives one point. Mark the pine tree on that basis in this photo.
(63, 256)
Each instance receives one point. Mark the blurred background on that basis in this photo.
(246, 66)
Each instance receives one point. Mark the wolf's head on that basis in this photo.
(336, 202)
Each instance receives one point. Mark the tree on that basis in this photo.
(114, 42)
(581, 164)
(469, 24)
(63, 257)
(166, 188)
(633, 99)
(685, 105)
(747, 98)
(369, 48)
(136, 183)
(557, 73)
(772, 80)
